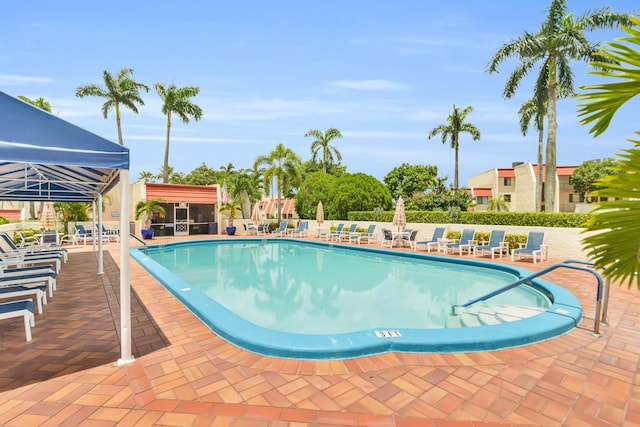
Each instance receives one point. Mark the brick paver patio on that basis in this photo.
(184, 375)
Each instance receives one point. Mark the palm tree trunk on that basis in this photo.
(455, 173)
(539, 171)
(550, 175)
(165, 169)
(279, 201)
(118, 124)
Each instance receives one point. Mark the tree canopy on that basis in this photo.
(357, 192)
(316, 187)
(406, 180)
(584, 178)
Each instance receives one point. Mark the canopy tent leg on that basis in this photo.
(98, 233)
(125, 286)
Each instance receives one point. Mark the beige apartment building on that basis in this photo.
(518, 186)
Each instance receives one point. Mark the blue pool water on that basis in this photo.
(306, 299)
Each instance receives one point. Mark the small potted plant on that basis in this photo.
(232, 207)
(148, 208)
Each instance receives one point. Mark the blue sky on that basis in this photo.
(384, 73)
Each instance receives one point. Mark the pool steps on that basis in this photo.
(493, 314)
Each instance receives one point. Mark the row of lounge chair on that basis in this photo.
(496, 245)
(351, 234)
(29, 271)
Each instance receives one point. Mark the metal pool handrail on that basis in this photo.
(565, 264)
(144, 244)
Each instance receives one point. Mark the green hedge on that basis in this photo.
(521, 219)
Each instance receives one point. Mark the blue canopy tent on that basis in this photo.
(44, 158)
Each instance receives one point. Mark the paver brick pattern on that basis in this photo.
(184, 375)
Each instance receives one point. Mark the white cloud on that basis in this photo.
(190, 139)
(384, 135)
(15, 80)
(377, 84)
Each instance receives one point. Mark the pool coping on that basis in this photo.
(564, 315)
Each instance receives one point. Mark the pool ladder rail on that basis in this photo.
(145, 247)
(491, 314)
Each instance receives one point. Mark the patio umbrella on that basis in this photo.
(48, 218)
(320, 213)
(256, 215)
(399, 218)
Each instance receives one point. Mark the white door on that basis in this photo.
(181, 220)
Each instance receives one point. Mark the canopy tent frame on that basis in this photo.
(46, 159)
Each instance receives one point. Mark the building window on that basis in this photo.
(571, 198)
(506, 181)
(482, 200)
(507, 198)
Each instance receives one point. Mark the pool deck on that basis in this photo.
(184, 375)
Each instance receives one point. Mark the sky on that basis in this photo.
(384, 73)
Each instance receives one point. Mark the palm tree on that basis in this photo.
(146, 176)
(321, 143)
(537, 110)
(176, 100)
(528, 111)
(148, 208)
(452, 129)
(245, 185)
(122, 90)
(616, 244)
(38, 102)
(498, 204)
(560, 39)
(284, 165)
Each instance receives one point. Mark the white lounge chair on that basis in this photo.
(466, 242)
(10, 247)
(495, 244)
(301, 231)
(336, 233)
(369, 235)
(534, 247)
(21, 308)
(39, 292)
(438, 234)
(282, 230)
(29, 276)
(346, 235)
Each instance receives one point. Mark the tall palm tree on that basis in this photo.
(284, 165)
(321, 143)
(536, 110)
(616, 244)
(560, 39)
(532, 110)
(452, 129)
(176, 100)
(119, 91)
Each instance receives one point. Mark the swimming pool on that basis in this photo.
(303, 299)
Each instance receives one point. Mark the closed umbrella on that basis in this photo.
(399, 218)
(48, 218)
(256, 215)
(320, 213)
